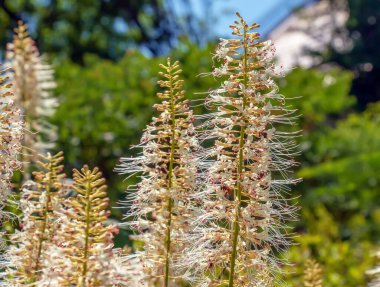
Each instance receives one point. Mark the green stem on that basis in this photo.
(27, 154)
(87, 230)
(170, 176)
(41, 238)
(238, 189)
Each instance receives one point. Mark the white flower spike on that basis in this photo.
(11, 134)
(160, 205)
(243, 212)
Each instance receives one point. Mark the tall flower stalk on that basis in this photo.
(82, 253)
(159, 204)
(11, 134)
(32, 82)
(243, 212)
(40, 199)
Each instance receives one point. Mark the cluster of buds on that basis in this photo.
(32, 81)
(244, 210)
(11, 133)
(81, 253)
(313, 274)
(40, 199)
(160, 204)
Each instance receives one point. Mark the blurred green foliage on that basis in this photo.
(69, 29)
(317, 95)
(344, 261)
(340, 167)
(351, 147)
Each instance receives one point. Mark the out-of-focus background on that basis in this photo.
(106, 55)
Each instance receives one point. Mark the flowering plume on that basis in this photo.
(11, 133)
(374, 273)
(312, 274)
(82, 254)
(160, 205)
(32, 84)
(243, 210)
(40, 200)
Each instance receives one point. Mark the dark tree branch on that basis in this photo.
(12, 15)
